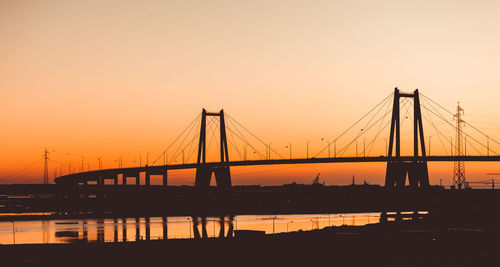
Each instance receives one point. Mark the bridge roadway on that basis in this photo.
(100, 175)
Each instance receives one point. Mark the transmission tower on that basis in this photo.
(46, 167)
(459, 166)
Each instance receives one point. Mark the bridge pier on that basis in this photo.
(148, 178)
(124, 179)
(165, 177)
(115, 179)
(204, 175)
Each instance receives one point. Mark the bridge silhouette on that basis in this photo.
(399, 170)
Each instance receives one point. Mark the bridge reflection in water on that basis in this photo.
(133, 229)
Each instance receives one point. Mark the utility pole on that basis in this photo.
(364, 148)
(290, 147)
(269, 157)
(356, 148)
(459, 165)
(488, 146)
(307, 149)
(429, 152)
(46, 167)
(335, 148)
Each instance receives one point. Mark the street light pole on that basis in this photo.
(335, 148)
(364, 148)
(386, 148)
(328, 144)
(269, 151)
(429, 152)
(290, 147)
(307, 150)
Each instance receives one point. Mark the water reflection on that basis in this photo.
(201, 222)
(153, 228)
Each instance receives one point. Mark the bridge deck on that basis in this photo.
(162, 168)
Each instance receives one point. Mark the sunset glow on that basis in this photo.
(113, 80)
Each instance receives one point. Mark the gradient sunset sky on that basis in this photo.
(90, 79)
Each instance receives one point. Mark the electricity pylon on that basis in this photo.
(459, 165)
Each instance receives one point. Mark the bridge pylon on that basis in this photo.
(204, 171)
(397, 169)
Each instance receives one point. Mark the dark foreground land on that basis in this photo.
(406, 243)
(462, 228)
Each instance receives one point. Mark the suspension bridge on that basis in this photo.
(402, 170)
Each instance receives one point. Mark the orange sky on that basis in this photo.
(110, 78)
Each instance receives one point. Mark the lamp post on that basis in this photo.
(307, 149)
(287, 225)
(386, 148)
(269, 156)
(356, 148)
(429, 152)
(335, 148)
(290, 147)
(328, 144)
(364, 147)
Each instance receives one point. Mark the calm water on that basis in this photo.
(114, 230)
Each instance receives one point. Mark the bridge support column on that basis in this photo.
(148, 178)
(165, 178)
(204, 175)
(124, 179)
(115, 179)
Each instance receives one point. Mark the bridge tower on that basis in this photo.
(397, 169)
(204, 171)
